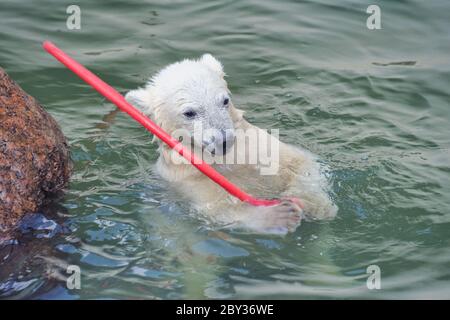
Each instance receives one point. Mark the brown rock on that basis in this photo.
(34, 155)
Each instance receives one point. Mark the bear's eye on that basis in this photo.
(226, 101)
(190, 114)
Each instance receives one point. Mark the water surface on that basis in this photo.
(374, 105)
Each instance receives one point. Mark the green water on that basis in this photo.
(373, 104)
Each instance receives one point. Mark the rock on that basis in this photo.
(34, 155)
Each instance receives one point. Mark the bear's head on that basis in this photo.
(191, 95)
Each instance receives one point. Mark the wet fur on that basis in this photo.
(299, 172)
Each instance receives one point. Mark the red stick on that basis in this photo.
(115, 97)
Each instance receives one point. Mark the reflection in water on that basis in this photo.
(30, 262)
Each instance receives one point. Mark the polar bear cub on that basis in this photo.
(191, 101)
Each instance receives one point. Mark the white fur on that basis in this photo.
(199, 85)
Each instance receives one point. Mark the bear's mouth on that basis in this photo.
(218, 150)
(221, 149)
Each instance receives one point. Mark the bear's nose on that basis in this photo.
(219, 142)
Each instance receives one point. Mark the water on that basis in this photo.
(374, 105)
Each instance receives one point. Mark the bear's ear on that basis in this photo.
(212, 63)
(139, 98)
